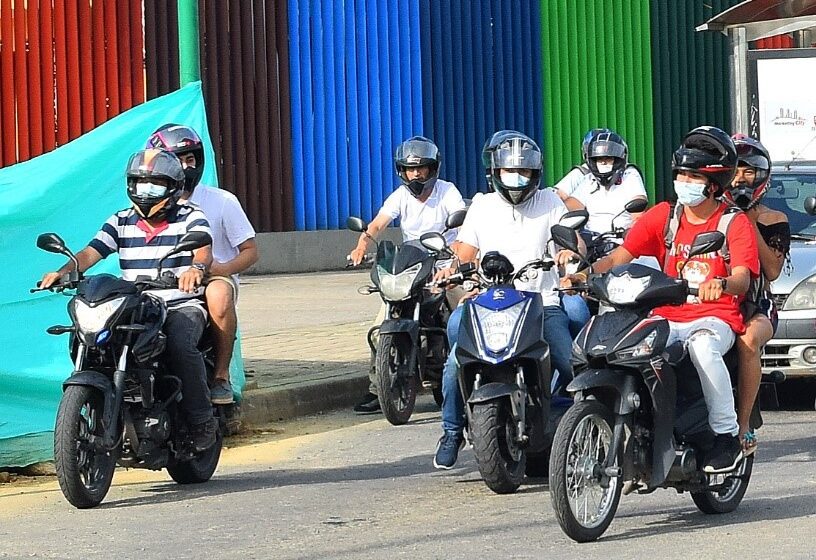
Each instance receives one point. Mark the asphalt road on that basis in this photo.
(340, 486)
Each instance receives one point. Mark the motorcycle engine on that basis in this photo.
(152, 426)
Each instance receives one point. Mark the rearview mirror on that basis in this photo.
(810, 205)
(707, 242)
(575, 219)
(636, 206)
(356, 224)
(192, 241)
(565, 237)
(456, 219)
(434, 241)
(52, 243)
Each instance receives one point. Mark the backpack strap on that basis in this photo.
(723, 225)
(670, 231)
(636, 168)
(582, 168)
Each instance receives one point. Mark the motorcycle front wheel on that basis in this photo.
(84, 472)
(727, 498)
(398, 387)
(493, 432)
(584, 500)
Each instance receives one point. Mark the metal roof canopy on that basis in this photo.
(750, 21)
(764, 18)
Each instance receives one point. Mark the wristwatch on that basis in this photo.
(200, 266)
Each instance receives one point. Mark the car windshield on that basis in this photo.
(787, 194)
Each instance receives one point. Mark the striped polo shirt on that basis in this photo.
(140, 249)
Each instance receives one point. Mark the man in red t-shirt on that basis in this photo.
(703, 166)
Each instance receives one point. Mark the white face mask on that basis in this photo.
(513, 180)
(605, 167)
(150, 190)
(690, 194)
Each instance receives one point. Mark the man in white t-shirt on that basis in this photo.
(422, 203)
(569, 183)
(515, 220)
(234, 248)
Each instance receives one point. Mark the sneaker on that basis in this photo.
(725, 455)
(204, 435)
(221, 392)
(447, 450)
(369, 405)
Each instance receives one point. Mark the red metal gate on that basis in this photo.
(66, 66)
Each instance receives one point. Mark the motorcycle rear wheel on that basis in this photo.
(729, 498)
(397, 400)
(501, 462)
(84, 472)
(583, 507)
(201, 467)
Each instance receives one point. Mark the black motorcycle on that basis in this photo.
(601, 244)
(412, 347)
(121, 404)
(639, 421)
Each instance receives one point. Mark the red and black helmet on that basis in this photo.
(750, 153)
(155, 180)
(709, 151)
(181, 140)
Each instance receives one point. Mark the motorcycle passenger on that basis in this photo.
(515, 219)
(234, 248)
(569, 183)
(140, 236)
(703, 167)
(773, 242)
(422, 204)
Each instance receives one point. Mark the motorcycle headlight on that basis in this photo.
(624, 288)
(803, 296)
(498, 327)
(93, 319)
(397, 287)
(643, 348)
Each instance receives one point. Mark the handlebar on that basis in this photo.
(367, 260)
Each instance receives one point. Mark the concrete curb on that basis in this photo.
(261, 406)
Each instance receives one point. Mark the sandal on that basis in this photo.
(749, 443)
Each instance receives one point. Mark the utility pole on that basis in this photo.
(189, 69)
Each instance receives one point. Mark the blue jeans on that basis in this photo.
(577, 311)
(556, 333)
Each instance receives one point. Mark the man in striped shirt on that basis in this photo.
(141, 236)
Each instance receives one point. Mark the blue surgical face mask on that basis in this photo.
(512, 179)
(690, 194)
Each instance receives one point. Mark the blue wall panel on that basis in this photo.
(356, 91)
(481, 61)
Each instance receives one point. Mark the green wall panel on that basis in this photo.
(597, 67)
(689, 77)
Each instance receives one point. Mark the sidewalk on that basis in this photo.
(303, 342)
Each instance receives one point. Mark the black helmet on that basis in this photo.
(709, 151)
(181, 140)
(517, 151)
(750, 153)
(587, 139)
(487, 151)
(155, 180)
(417, 151)
(607, 143)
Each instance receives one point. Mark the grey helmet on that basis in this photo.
(417, 151)
(516, 152)
(487, 151)
(607, 143)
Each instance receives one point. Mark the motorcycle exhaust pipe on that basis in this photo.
(685, 464)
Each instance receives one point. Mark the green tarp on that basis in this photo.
(70, 191)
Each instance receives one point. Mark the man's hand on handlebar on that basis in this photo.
(357, 256)
(710, 290)
(565, 257)
(49, 279)
(190, 279)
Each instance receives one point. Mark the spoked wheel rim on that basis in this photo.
(589, 446)
(91, 463)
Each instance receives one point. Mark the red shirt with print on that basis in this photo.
(646, 238)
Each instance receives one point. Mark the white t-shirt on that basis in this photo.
(519, 232)
(228, 222)
(417, 218)
(572, 180)
(604, 204)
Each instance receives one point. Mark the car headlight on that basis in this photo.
(93, 319)
(803, 296)
(624, 288)
(397, 287)
(498, 327)
(644, 348)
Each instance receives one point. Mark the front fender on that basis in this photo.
(396, 326)
(621, 383)
(492, 391)
(100, 382)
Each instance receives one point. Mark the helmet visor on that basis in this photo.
(517, 153)
(606, 148)
(415, 153)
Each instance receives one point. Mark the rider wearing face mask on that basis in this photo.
(422, 204)
(772, 233)
(703, 166)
